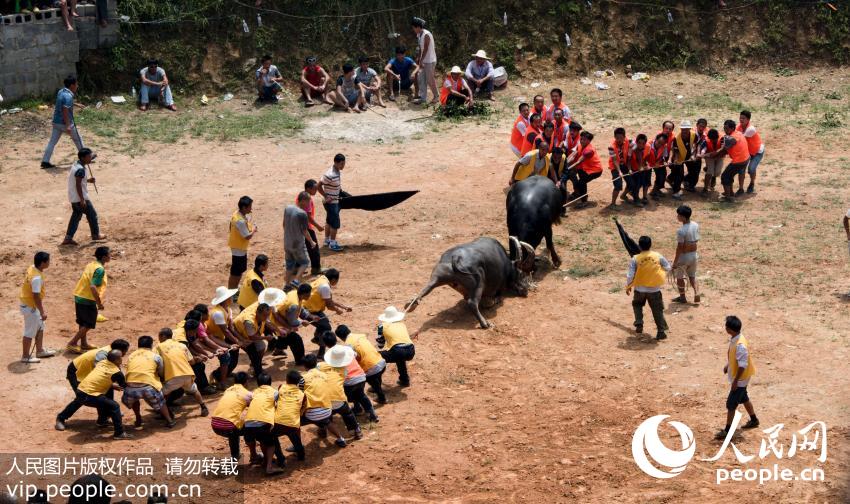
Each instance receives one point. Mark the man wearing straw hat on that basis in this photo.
(479, 74)
(219, 325)
(392, 334)
(455, 90)
(338, 361)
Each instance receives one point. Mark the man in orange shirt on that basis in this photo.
(534, 130)
(658, 155)
(756, 150)
(519, 129)
(618, 153)
(571, 141)
(312, 187)
(556, 95)
(735, 145)
(587, 167)
(561, 128)
(639, 179)
(539, 107)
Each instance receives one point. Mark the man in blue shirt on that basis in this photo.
(401, 73)
(63, 120)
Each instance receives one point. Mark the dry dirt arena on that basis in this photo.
(542, 407)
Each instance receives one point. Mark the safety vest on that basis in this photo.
(82, 289)
(638, 158)
(247, 295)
(317, 388)
(396, 334)
(287, 412)
(174, 360)
(559, 167)
(179, 332)
(235, 239)
(528, 170)
(262, 406)
(571, 143)
(753, 142)
(315, 303)
(517, 133)
(232, 404)
(212, 328)
(142, 368)
(733, 362)
(549, 115)
(249, 313)
(289, 301)
(682, 151)
(99, 381)
(336, 379)
(649, 271)
(656, 154)
(713, 145)
(448, 85)
(621, 153)
(560, 133)
(353, 370)
(739, 153)
(85, 362)
(367, 355)
(591, 163)
(27, 297)
(531, 135)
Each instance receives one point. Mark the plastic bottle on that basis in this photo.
(245, 27)
(505, 19)
(259, 20)
(133, 92)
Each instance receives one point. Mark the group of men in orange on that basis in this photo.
(549, 142)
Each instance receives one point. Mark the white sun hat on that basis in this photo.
(390, 315)
(222, 293)
(271, 296)
(455, 70)
(685, 124)
(339, 356)
(481, 54)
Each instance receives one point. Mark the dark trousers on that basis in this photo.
(102, 14)
(376, 384)
(677, 176)
(233, 437)
(692, 176)
(201, 379)
(486, 87)
(656, 304)
(322, 325)
(660, 179)
(106, 408)
(293, 341)
(356, 394)
(347, 416)
(400, 355)
(634, 182)
(314, 253)
(457, 100)
(233, 360)
(580, 178)
(71, 376)
(256, 359)
(77, 212)
(294, 435)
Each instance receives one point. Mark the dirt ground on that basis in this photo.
(541, 408)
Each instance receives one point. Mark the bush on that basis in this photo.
(456, 112)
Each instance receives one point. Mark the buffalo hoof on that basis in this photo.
(488, 325)
(556, 263)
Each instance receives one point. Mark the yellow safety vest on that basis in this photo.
(317, 388)
(212, 328)
(82, 289)
(27, 297)
(232, 404)
(85, 362)
(367, 354)
(682, 151)
(649, 272)
(290, 400)
(179, 332)
(396, 334)
(733, 362)
(336, 378)
(99, 381)
(559, 168)
(174, 359)
(235, 239)
(249, 313)
(315, 303)
(142, 368)
(247, 295)
(528, 170)
(262, 407)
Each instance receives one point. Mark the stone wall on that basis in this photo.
(37, 52)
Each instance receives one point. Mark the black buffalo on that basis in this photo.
(480, 270)
(533, 205)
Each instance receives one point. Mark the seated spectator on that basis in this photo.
(348, 94)
(479, 75)
(402, 70)
(314, 83)
(268, 81)
(155, 84)
(369, 81)
(455, 90)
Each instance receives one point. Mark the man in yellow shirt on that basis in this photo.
(321, 299)
(291, 404)
(392, 334)
(32, 308)
(647, 274)
(370, 360)
(253, 283)
(240, 233)
(177, 372)
(253, 330)
(319, 392)
(739, 369)
(82, 365)
(288, 317)
(145, 372)
(228, 417)
(88, 299)
(259, 421)
(106, 376)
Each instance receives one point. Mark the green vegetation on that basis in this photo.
(453, 112)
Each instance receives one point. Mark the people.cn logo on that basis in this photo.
(647, 445)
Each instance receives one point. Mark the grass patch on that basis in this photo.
(717, 101)
(582, 271)
(830, 120)
(102, 123)
(270, 121)
(453, 112)
(26, 103)
(653, 105)
(787, 103)
(783, 71)
(833, 95)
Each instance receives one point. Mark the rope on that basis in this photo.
(336, 16)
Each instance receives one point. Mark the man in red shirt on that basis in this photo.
(312, 187)
(588, 166)
(314, 82)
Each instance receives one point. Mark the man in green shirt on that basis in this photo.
(88, 299)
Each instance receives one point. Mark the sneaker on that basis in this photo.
(60, 425)
(336, 247)
(644, 200)
(171, 423)
(102, 423)
(46, 166)
(677, 196)
(340, 442)
(327, 241)
(210, 390)
(680, 299)
(374, 418)
(391, 98)
(403, 383)
(46, 353)
(697, 299)
(123, 435)
(752, 424)
(30, 360)
(358, 433)
(661, 335)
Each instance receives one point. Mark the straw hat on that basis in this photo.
(481, 54)
(456, 70)
(685, 124)
(390, 315)
(339, 356)
(222, 293)
(271, 296)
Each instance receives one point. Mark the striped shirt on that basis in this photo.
(332, 185)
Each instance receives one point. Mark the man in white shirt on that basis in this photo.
(739, 370)
(685, 262)
(479, 74)
(268, 81)
(427, 62)
(31, 298)
(78, 196)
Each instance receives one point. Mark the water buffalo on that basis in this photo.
(533, 205)
(480, 270)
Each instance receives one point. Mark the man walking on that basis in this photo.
(330, 187)
(63, 120)
(32, 295)
(685, 262)
(78, 196)
(296, 239)
(739, 369)
(88, 299)
(647, 273)
(426, 60)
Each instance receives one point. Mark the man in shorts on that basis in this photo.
(369, 81)
(314, 82)
(330, 187)
(735, 145)
(144, 374)
(319, 390)
(685, 262)
(348, 95)
(401, 73)
(713, 163)
(177, 363)
(32, 309)
(739, 370)
(240, 233)
(88, 299)
(296, 239)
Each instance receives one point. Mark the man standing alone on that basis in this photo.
(739, 369)
(63, 120)
(78, 196)
(426, 60)
(647, 273)
(32, 296)
(239, 239)
(685, 262)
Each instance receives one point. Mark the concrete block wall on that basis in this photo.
(37, 52)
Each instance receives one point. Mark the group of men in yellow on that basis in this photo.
(550, 143)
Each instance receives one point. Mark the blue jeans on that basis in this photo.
(754, 163)
(332, 211)
(77, 212)
(486, 87)
(149, 92)
(269, 93)
(58, 130)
